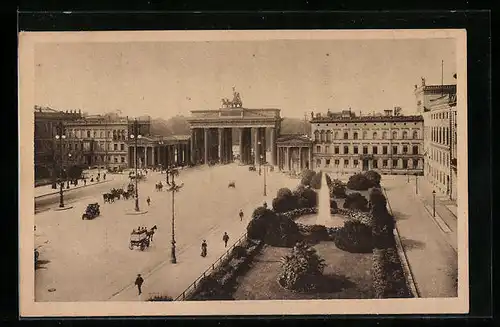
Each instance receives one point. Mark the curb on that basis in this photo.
(410, 281)
(71, 189)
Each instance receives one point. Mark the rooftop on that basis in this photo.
(376, 118)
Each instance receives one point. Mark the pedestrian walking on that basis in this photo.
(84, 182)
(204, 250)
(138, 282)
(225, 238)
(104, 176)
(241, 215)
(148, 200)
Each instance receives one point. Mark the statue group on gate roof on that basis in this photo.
(235, 103)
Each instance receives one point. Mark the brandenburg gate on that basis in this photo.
(212, 133)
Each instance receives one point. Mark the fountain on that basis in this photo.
(324, 215)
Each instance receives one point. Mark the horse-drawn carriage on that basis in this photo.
(92, 211)
(141, 238)
(231, 184)
(159, 186)
(252, 168)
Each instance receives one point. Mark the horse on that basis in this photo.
(108, 198)
(231, 184)
(151, 232)
(159, 186)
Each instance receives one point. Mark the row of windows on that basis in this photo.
(441, 157)
(115, 134)
(438, 175)
(102, 159)
(440, 115)
(374, 149)
(327, 136)
(375, 163)
(441, 135)
(97, 146)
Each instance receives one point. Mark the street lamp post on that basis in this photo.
(173, 188)
(60, 136)
(407, 176)
(135, 136)
(433, 204)
(416, 184)
(265, 167)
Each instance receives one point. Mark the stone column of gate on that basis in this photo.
(240, 134)
(310, 158)
(273, 146)
(205, 140)
(221, 152)
(145, 164)
(300, 158)
(153, 149)
(191, 146)
(288, 158)
(256, 148)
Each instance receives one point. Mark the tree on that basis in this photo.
(316, 180)
(373, 177)
(359, 182)
(301, 268)
(307, 175)
(356, 201)
(337, 189)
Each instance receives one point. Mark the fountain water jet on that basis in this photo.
(324, 214)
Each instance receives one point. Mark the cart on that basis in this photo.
(140, 240)
(92, 211)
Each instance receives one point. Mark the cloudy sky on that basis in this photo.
(163, 79)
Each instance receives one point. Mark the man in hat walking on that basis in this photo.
(138, 282)
(225, 238)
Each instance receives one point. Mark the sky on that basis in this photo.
(164, 79)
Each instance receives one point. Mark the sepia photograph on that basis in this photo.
(243, 172)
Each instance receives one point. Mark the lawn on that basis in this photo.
(347, 276)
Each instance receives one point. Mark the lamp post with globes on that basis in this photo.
(173, 189)
(135, 136)
(60, 136)
(265, 186)
(433, 204)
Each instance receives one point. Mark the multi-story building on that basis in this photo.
(346, 143)
(438, 104)
(100, 141)
(45, 145)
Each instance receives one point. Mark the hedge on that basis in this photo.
(356, 201)
(355, 237)
(387, 275)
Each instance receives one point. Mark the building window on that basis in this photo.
(384, 163)
(394, 163)
(123, 159)
(115, 147)
(375, 150)
(384, 149)
(327, 162)
(88, 134)
(323, 136)
(122, 147)
(116, 160)
(395, 150)
(318, 149)
(356, 162)
(365, 150)
(405, 164)
(394, 135)
(415, 163)
(318, 162)
(355, 135)
(327, 149)
(329, 136)
(405, 135)
(346, 136)
(375, 135)
(346, 149)
(405, 149)
(415, 135)
(337, 162)
(337, 150)
(415, 149)
(346, 162)
(365, 135)
(336, 135)
(384, 135)
(375, 163)
(316, 136)
(355, 150)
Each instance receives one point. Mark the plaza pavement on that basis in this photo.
(430, 249)
(89, 260)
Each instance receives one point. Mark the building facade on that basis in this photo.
(100, 141)
(344, 143)
(440, 136)
(294, 152)
(212, 130)
(159, 151)
(46, 148)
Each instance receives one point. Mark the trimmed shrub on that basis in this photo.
(359, 182)
(329, 181)
(333, 205)
(387, 275)
(337, 189)
(374, 177)
(283, 192)
(316, 181)
(354, 236)
(238, 252)
(354, 215)
(377, 198)
(356, 201)
(160, 298)
(307, 175)
(273, 229)
(301, 268)
(285, 203)
(257, 227)
(307, 198)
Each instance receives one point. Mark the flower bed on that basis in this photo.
(219, 283)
